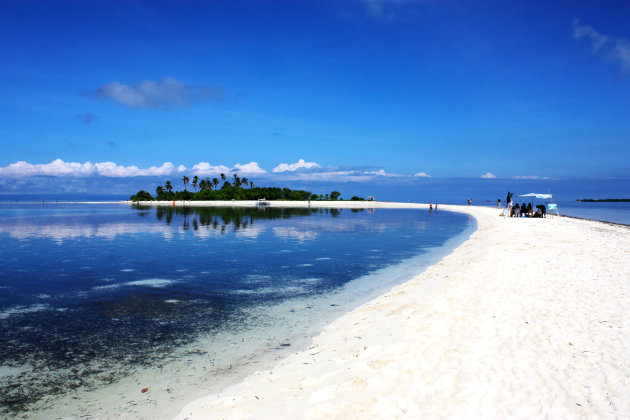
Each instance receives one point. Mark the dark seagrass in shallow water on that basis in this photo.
(92, 294)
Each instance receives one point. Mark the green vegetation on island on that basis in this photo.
(604, 200)
(239, 189)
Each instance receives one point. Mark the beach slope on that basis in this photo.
(528, 318)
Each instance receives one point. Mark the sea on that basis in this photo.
(484, 192)
(613, 212)
(112, 309)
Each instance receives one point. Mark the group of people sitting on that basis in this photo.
(526, 210)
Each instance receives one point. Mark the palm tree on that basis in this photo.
(185, 180)
(237, 180)
(215, 182)
(245, 181)
(251, 184)
(222, 177)
(159, 190)
(168, 186)
(208, 184)
(202, 184)
(194, 182)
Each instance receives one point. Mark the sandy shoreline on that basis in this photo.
(529, 318)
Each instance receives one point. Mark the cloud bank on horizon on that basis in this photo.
(300, 170)
(297, 171)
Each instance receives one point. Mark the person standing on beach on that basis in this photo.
(499, 203)
(430, 207)
(469, 201)
(435, 208)
(509, 208)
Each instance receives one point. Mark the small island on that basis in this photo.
(604, 200)
(208, 190)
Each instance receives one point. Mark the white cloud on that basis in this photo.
(165, 92)
(423, 175)
(250, 168)
(488, 175)
(300, 164)
(205, 168)
(55, 168)
(60, 168)
(112, 170)
(299, 171)
(612, 47)
(586, 31)
(381, 172)
(165, 169)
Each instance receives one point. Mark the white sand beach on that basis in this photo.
(529, 318)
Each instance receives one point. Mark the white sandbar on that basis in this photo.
(529, 318)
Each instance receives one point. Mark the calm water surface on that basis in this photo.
(90, 295)
(604, 211)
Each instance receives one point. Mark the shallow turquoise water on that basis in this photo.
(90, 293)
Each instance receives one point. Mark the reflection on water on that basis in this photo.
(89, 295)
(237, 219)
(237, 216)
(203, 221)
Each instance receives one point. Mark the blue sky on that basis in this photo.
(339, 92)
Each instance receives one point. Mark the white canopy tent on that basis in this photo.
(550, 206)
(542, 196)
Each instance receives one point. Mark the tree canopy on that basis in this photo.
(230, 191)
